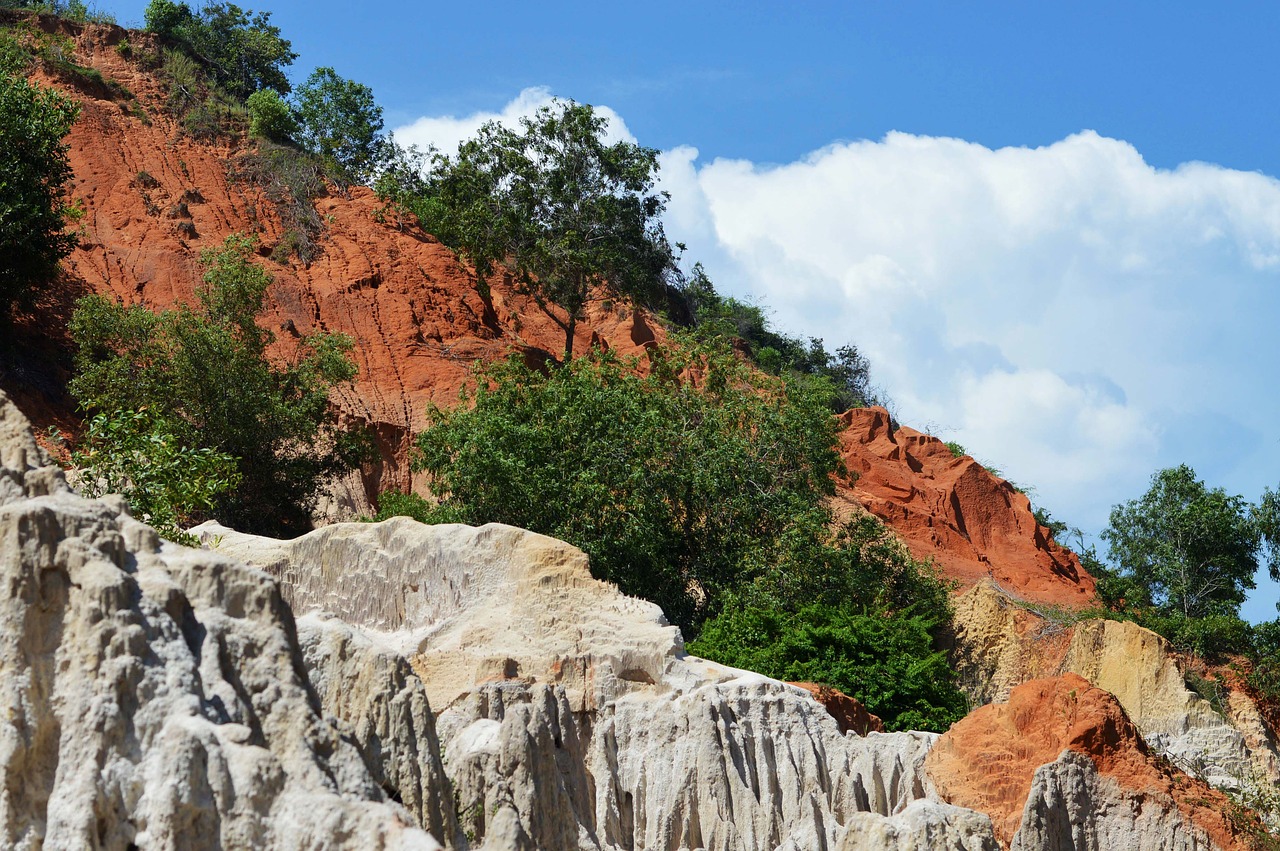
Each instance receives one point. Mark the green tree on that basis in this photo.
(204, 373)
(673, 486)
(168, 485)
(242, 50)
(697, 482)
(1189, 550)
(270, 116)
(340, 122)
(570, 215)
(34, 171)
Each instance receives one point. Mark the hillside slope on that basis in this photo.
(154, 198)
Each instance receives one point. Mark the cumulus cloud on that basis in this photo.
(1071, 314)
(448, 131)
(1067, 312)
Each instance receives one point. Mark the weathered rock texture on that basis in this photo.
(848, 711)
(154, 198)
(1000, 643)
(154, 696)
(570, 716)
(1061, 766)
(951, 509)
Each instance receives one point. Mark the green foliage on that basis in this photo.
(700, 484)
(1265, 672)
(341, 123)
(270, 117)
(1192, 551)
(719, 317)
(34, 172)
(571, 216)
(957, 450)
(243, 51)
(890, 664)
(168, 485)
(673, 486)
(73, 10)
(203, 372)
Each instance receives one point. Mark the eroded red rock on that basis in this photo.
(973, 524)
(848, 711)
(986, 761)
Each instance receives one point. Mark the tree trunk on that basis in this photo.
(569, 330)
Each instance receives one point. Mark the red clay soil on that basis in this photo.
(973, 524)
(848, 711)
(154, 199)
(986, 760)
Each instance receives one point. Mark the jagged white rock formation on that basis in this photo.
(154, 696)
(570, 717)
(921, 825)
(1071, 807)
(371, 693)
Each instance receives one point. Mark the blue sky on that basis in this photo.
(1052, 227)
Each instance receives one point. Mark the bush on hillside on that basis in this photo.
(723, 317)
(889, 663)
(697, 482)
(203, 372)
(34, 122)
(243, 51)
(169, 485)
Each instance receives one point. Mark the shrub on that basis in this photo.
(33, 202)
(889, 663)
(270, 117)
(292, 181)
(168, 485)
(203, 372)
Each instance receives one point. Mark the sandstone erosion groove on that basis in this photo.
(570, 716)
(154, 696)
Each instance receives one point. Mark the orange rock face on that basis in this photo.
(154, 199)
(986, 761)
(973, 524)
(848, 711)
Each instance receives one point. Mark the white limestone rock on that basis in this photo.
(1071, 807)
(921, 825)
(569, 714)
(153, 695)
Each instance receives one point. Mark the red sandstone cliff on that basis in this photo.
(974, 524)
(154, 199)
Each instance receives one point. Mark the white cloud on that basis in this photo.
(447, 132)
(1067, 312)
(1071, 314)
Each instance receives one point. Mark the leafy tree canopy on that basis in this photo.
(569, 214)
(699, 483)
(1188, 550)
(243, 50)
(340, 122)
(716, 316)
(34, 171)
(203, 375)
